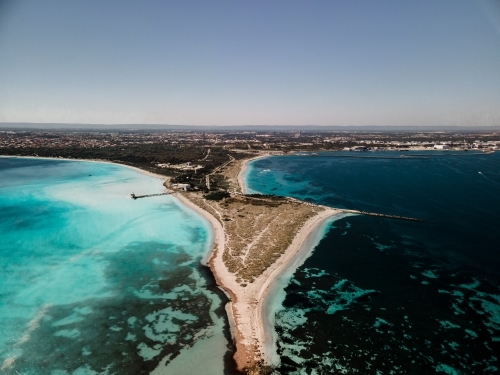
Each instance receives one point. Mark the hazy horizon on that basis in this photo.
(263, 128)
(224, 63)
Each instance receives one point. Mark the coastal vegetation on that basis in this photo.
(145, 156)
(217, 195)
(260, 368)
(257, 231)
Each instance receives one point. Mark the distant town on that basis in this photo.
(191, 156)
(246, 140)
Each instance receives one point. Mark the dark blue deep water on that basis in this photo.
(385, 296)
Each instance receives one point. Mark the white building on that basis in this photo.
(441, 147)
(184, 187)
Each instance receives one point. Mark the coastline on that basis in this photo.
(250, 309)
(216, 339)
(218, 239)
(274, 295)
(251, 320)
(147, 173)
(271, 293)
(244, 167)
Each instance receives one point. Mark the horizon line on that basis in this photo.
(3, 123)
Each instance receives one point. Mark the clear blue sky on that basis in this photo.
(422, 62)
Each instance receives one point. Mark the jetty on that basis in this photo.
(373, 157)
(380, 215)
(271, 201)
(133, 196)
(357, 212)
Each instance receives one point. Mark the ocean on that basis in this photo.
(386, 296)
(94, 282)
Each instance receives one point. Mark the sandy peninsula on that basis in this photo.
(256, 241)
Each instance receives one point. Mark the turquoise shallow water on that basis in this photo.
(382, 296)
(94, 282)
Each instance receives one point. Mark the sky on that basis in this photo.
(331, 62)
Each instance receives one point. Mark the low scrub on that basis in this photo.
(216, 195)
(266, 196)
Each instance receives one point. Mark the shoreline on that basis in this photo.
(243, 169)
(216, 248)
(280, 273)
(150, 174)
(218, 231)
(250, 319)
(274, 295)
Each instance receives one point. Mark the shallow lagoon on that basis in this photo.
(95, 282)
(388, 296)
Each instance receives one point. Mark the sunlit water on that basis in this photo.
(382, 296)
(93, 282)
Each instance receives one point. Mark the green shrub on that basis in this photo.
(216, 195)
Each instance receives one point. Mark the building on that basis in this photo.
(441, 147)
(184, 187)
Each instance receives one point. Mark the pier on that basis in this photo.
(133, 196)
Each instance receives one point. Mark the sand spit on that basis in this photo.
(247, 291)
(257, 240)
(261, 289)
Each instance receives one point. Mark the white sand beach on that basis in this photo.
(253, 324)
